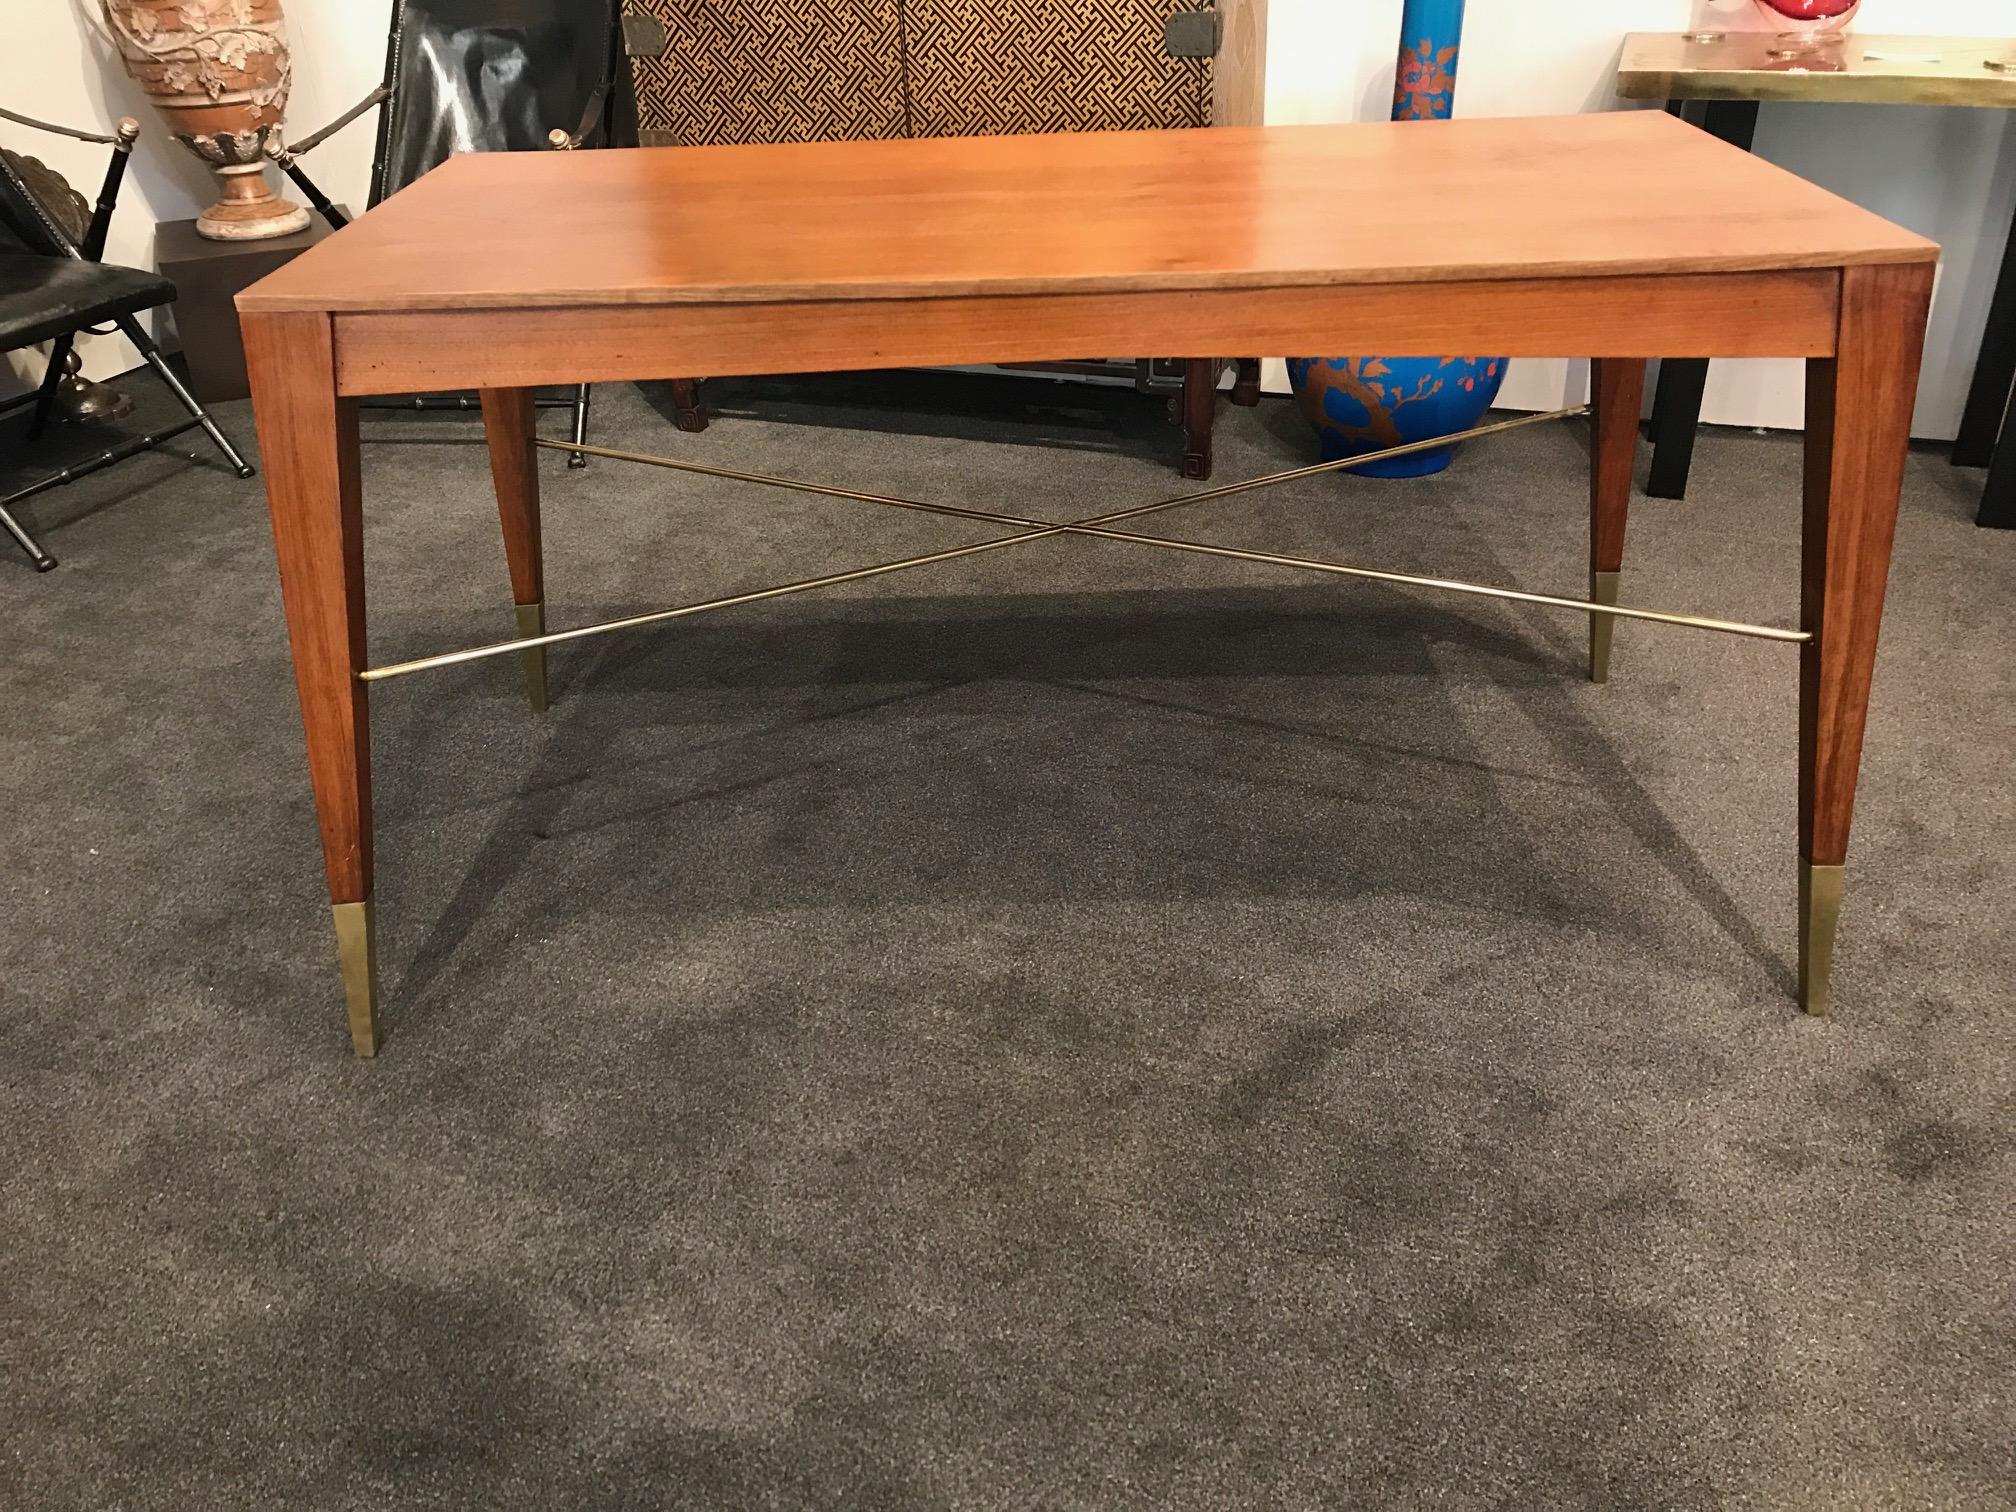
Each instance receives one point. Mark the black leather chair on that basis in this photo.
(53, 285)
(488, 76)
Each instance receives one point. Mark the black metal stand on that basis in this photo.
(576, 403)
(1994, 372)
(1988, 425)
(18, 208)
(52, 378)
(1676, 410)
(1998, 499)
(131, 447)
(187, 400)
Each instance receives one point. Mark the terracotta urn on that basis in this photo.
(218, 71)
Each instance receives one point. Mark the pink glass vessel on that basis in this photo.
(1803, 25)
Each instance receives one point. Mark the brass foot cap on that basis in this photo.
(357, 953)
(1602, 627)
(1820, 889)
(532, 621)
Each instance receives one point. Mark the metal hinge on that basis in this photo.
(1193, 34)
(644, 36)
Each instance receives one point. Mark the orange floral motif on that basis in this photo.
(1358, 377)
(1425, 86)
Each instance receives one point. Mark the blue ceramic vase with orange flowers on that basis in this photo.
(1367, 404)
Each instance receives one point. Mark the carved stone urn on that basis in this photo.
(218, 71)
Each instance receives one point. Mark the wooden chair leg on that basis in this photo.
(1858, 431)
(1616, 397)
(510, 417)
(1246, 385)
(308, 438)
(689, 405)
(1200, 407)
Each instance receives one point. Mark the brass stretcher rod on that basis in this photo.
(1093, 527)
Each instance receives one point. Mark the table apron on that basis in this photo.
(1787, 313)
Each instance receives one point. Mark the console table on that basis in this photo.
(1617, 237)
(1730, 74)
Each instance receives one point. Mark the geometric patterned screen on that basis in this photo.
(760, 71)
(845, 70)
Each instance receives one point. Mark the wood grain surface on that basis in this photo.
(1788, 314)
(308, 444)
(1858, 428)
(1246, 208)
(1616, 397)
(510, 426)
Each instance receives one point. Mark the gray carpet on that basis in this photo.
(1082, 1028)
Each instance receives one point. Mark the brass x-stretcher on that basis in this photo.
(354, 921)
(1095, 527)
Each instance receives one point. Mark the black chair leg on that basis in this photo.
(1676, 421)
(1994, 373)
(1676, 407)
(1998, 499)
(579, 459)
(156, 361)
(45, 397)
(42, 560)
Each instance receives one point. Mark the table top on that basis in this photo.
(1873, 70)
(1628, 192)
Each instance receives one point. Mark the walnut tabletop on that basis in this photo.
(1874, 70)
(1255, 208)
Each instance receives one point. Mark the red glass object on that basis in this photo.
(1809, 10)
(1809, 20)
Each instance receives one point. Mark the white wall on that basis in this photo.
(1950, 174)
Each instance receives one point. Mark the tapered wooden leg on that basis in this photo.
(1200, 408)
(1616, 398)
(308, 437)
(1858, 430)
(509, 421)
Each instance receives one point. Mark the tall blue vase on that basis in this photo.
(1366, 404)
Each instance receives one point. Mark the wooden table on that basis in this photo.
(1727, 75)
(1616, 237)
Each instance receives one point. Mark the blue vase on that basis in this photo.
(1431, 39)
(1367, 404)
